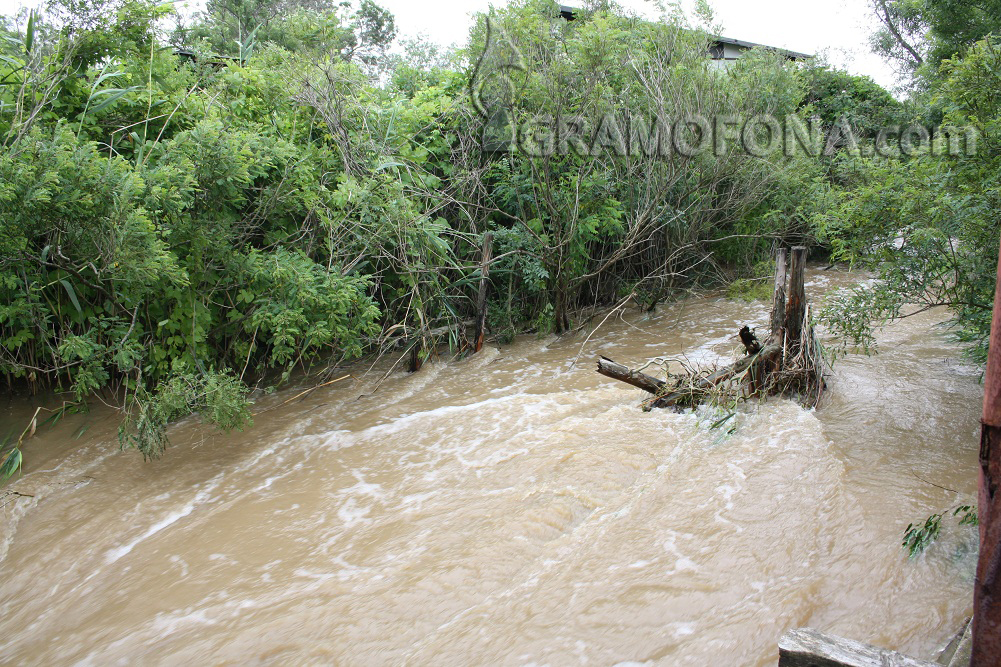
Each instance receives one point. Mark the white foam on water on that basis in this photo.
(268, 481)
(495, 458)
(351, 514)
(682, 629)
(203, 496)
(412, 420)
(166, 624)
(682, 562)
(363, 488)
(113, 555)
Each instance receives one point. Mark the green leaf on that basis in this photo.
(11, 464)
(29, 36)
(13, 62)
(105, 76)
(116, 94)
(72, 295)
(722, 421)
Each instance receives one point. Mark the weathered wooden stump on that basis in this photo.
(795, 301)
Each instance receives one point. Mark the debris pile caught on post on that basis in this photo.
(789, 362)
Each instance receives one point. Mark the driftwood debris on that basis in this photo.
(789, 361)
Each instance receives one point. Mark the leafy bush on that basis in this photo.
(928, 225)
(179, 227)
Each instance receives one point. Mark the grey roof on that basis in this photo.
(795, 55)
(567, 12)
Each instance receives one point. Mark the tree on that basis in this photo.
(928, 223)
(315, 27)
(902, 38)
(955, 25)
(227, 22)
(101, 30)
(916, 33)
(614, 182)
(374, 31)
(833, 95)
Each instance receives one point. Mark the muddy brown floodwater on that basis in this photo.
(506, 509)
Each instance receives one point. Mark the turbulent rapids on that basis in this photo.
(507, 509)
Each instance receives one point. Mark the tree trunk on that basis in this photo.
(415, 356)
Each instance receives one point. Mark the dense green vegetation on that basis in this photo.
(194, 208)
(928, 223)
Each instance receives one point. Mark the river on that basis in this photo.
(507, 509)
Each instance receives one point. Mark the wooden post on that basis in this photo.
(779, 295)
(481, 301)
(795, 300)
(987, 585)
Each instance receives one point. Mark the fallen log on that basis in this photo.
(609, 368)
(663, 399)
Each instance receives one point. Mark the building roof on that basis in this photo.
(568, 12)
(792, 55)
